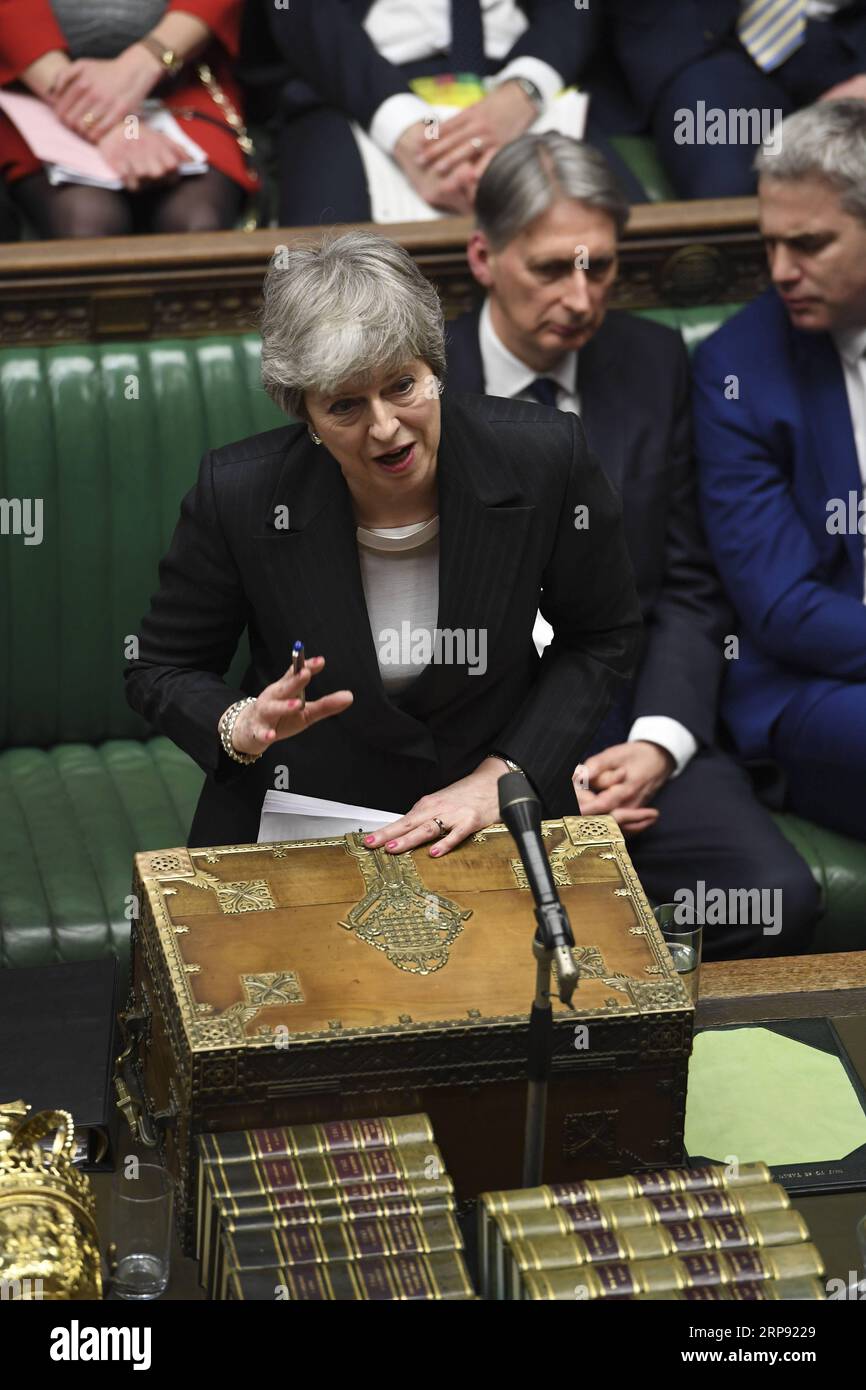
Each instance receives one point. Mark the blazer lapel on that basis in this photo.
(465, 369)
(828, 418)
(601, 402)
(482, 535)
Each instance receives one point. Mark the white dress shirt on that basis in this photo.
(505, 375)
(404, 31)
(851, 345)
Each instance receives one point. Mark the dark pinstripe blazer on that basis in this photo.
(510, 477)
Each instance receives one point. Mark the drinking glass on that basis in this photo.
(141, 1211)
(684, 945)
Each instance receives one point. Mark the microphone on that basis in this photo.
(520, 809)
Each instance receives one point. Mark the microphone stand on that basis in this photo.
(540, 1053)
(553, 940)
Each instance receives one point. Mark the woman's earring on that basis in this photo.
(317, 439)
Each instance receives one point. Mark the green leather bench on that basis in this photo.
(109, 438)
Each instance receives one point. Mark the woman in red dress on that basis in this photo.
(95, 62)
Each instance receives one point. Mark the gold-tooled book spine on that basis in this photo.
(397, 1278)
(328, 1210)
(333, 1212)
(619, 1279)
(304, 1176)
(641, 1212)
(770, 1291)
(256, 1175)
(769, 1228)
(353, 1240)
(299, 1141)
(338, 1203)
(656, 1183)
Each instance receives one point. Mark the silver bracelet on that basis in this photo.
(226, 726)
(512, 767)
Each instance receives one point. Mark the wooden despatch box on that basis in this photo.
(316, 980)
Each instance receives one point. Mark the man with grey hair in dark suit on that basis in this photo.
(548, 215)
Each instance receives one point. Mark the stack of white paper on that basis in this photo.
(289, 816)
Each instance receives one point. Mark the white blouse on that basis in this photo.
(400, 574)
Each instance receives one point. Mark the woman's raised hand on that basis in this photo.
(277, 712)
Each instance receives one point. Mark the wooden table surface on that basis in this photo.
(748, 991)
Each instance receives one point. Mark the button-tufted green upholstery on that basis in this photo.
(109, 438)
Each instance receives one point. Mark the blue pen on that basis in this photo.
(298, 666)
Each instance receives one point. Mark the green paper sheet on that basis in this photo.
(757, 1095)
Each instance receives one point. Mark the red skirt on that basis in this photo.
(223, 152)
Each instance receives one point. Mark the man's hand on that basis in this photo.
(464, 807)
(92, 95)
(479, 131)
(452, 194)
(150, 158)
(277, 712)
(623, 779)
(852, 87)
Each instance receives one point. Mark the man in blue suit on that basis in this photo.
(780, 415)
(545, 249)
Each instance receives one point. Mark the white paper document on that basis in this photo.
(69, 158)
(289, 816)
(392, 197)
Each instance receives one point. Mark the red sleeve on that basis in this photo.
(222, 17)
(27, 30)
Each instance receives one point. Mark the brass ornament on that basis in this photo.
(274, 987)
(49, 1244)
(398, 915)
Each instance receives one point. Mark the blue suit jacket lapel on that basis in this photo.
(828, 416)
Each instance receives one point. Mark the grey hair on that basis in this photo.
(341, 309)
(827, 140)
(528, 176)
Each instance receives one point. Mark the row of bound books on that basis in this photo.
(710, 1233)
(350, 1210)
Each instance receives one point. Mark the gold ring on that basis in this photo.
(88, 118)
(477, 143)
(443, 830)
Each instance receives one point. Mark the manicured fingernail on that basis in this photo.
(392, 844)
(369, 839)
(434, 852)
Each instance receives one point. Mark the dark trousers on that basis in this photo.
(322, 178)
(821, 747)
(729, 79)
(713, 834)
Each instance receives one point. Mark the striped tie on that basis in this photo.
(771, 30)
